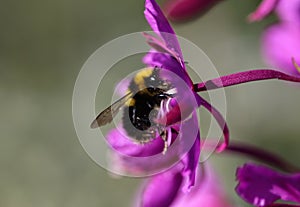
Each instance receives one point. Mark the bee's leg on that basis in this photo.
(163, 136)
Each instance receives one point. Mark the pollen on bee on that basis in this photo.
(140, 76)
(130, 102)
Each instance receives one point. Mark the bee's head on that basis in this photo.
(156, 81)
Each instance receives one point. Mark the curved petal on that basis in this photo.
(191, 162)
(179, 10)
(208, 191)
(121, 143)
(264, 9)
(165, 61)
(161, 190)
(263, 186)
(141, 159)
(189, 136)
(219, 118)
(161, 26)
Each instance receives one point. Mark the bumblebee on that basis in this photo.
(140, 106)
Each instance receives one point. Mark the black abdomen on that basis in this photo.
(138, 119)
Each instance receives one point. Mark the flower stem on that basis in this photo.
(220, 120)
(283, 205)
(261, 155)
(243, 77)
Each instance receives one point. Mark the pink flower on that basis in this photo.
(208, 190)
(287, 11)
(262, 186)
(281, 41)
(177, 168)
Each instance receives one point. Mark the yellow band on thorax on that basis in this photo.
(140, 76)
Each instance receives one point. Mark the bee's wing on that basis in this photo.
(107, 115)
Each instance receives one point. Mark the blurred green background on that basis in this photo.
(43, 45)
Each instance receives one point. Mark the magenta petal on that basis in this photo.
(280, 43)
(121, 143)
(262, 186)
(208, 191)
(135, 159)
(264, 9)
(156, 59)
(145, 159)
(289, 11)
(178, 10)
(160, 46)
(161, 26)
(161, 190)
(164, 190)
(191, 163)
(190, 143)
(191, 159)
